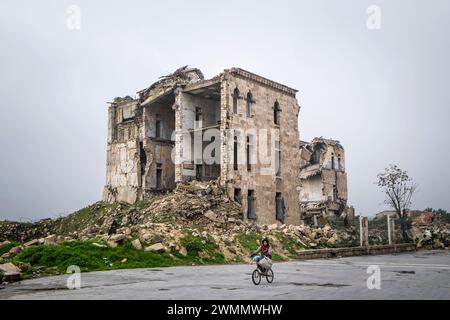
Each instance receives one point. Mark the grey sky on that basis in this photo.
(383, 93)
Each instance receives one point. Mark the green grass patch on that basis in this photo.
(250, 241)
(202, 249)
(92, 258)
(289, 244)
(8, 247)
(51, 259)
(277, 258)
(141, 204)
(84, 217)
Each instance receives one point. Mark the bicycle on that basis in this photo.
(263, 269)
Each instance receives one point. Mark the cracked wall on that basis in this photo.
(123, 179)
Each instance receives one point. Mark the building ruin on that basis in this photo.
(153, 143)
(323, 181)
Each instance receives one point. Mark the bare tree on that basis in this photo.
(398, 188)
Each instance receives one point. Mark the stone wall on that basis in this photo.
(261, 178)
(123, 180)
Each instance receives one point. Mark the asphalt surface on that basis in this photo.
(418, 275)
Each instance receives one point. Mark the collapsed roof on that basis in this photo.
(168, 83)
(319, 142)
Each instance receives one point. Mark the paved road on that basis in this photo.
(419, 275)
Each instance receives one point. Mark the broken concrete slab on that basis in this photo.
(11, 277)
(33, 242)
(117, 238)
(136, 244)
(13, 252)
(50, 240)
(211, 215)
(157, 247)
(9, 267)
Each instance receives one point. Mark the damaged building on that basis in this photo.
(151, 141)
(237, 128)
(323, 181)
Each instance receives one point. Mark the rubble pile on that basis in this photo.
(435, 235)
(196, 204)
(310, 237)
(20, 231)
(195, 207)
(168, 223)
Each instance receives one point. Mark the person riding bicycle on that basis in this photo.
(264, 251)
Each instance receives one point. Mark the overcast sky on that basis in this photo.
(383, 93)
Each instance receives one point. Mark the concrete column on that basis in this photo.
(391, 229)
(315, 221)
(111, 123)
(226, 142)
(363, 231)
(178, 135)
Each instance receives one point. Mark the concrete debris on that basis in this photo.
(183, 251)
(4, 243)
(117, 238)
(50, 240)
(157, 247)
(9, 267)
(211, 215)
(13, 252)
(189, 204)
(136, 244)
(112, 244)
(193, 209)
(33, 242)
(10, 272)
(433, 236)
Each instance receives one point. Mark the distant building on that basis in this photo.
(384, 214)
(418, 217)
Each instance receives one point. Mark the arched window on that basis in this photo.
(276, 113)
(235, 100)
(249, 104)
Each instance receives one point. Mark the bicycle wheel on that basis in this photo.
(256, 277)
(269, 276)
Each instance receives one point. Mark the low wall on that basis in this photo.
(355, 251)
